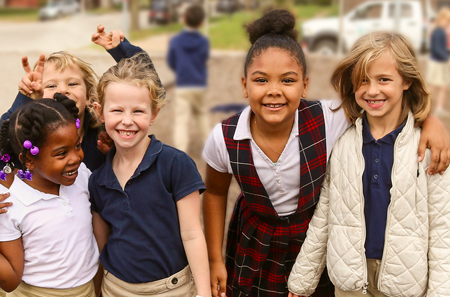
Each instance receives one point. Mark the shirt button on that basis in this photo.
(377, 160)
(65, 203)
(279, 181)
(175, 281)
(375, 176)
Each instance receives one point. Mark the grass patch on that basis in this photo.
(163, 29)
(19, 14)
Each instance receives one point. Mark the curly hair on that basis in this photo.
(34, 122)
(274, 29)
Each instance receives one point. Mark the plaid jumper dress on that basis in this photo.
(261, 246)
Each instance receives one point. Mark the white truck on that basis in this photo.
(321, 34)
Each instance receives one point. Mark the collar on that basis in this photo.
(108, 178)
(388, 138)
(243, 126)
(28, 195)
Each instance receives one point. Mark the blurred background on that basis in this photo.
(327, 29)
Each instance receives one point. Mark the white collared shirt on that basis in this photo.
(59, 245)
(276, 178)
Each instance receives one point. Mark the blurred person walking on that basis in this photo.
(187, 57)
(438, 74)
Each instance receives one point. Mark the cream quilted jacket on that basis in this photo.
(416, 256)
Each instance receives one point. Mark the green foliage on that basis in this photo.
(19, 14)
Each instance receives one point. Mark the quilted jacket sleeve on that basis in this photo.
(439, 233)
(310, 263)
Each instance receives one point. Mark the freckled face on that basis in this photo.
(274, 86)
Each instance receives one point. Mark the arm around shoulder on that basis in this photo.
(11, 264)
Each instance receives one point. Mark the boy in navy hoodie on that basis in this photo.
(188, 54)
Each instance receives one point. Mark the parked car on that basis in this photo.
(322, 34)
(58, 8)
(164, 11)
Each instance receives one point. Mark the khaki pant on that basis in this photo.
(373, 270)
(189, 103)
(2, 293)
(180, 284)
(25, 290)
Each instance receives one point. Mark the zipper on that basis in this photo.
(363, 220)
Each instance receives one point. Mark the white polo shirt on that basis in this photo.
(277, 179)
(59, 245)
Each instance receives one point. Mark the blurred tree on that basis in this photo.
(134, 15)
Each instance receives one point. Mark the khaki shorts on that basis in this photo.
(25, 290)
(180, 284)
(438, 73)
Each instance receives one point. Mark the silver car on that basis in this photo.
(58, 8)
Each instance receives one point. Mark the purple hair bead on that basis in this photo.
(34, 150)
(2, 175)
(78, 123)
(5, 158)
(27, 144)
(21, 174)
(28, 175)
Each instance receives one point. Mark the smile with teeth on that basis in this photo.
(127, 133)
(375, 102)
(70, 173)
(273, 105)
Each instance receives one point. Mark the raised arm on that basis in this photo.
(435, 137)
(214, 209)
(11, 264)
(194, 241)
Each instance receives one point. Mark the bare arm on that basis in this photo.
(194, 241)
(101, 233)
(214, 209)
(11, 264)
(435, 137)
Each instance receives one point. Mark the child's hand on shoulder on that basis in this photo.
(108, 41)
(31, 83)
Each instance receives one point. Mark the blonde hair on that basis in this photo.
(351, 72)
(137, 71)
(62, 60)
(443, 15)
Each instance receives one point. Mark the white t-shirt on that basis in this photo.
(59, 245)
(277, 179)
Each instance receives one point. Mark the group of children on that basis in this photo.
(279, 149)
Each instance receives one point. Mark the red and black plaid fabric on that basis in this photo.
(261, 246)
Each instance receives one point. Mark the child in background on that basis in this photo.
(47, 245)
(64, 73)
(277, 149)
(146, 197)
(187, 56)
(381, 224)
(438, 72)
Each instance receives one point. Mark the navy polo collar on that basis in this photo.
(388, 138)
(109, 179)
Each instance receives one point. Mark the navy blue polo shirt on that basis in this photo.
(145, 243)
(379, 158)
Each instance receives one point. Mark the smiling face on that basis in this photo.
(127, 115)
(67, 81)
(58, 160)
(274, 86)
(381, 94)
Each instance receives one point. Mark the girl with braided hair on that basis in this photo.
(47, 246)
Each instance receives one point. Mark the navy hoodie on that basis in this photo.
(188, 54)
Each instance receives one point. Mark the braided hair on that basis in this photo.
(275, 29)
(34, 122)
